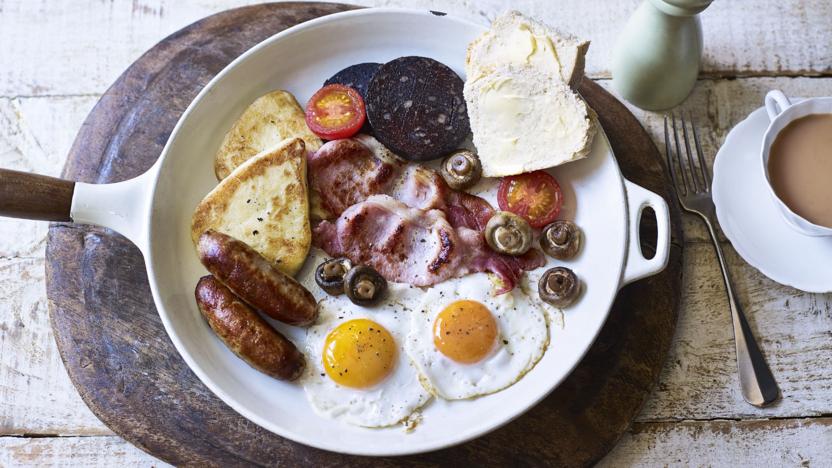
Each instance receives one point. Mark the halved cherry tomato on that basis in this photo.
(535, 196)
(335, 111)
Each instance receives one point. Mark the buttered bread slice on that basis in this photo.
(524, 112)
(265, 203)
(521, 42)
(525, 121)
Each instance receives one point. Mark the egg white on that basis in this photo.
(385, 404)
(521, 341)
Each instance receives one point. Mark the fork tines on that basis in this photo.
(692, 177)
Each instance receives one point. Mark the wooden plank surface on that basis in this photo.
(59, 56)
(35, 135)
(699, 380)
(35, 392)
(760, 443)
(768, 443)
(90, 43)
(89, 452)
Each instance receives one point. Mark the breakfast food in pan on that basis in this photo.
(255, 279)
(516, 40)
(264, 124)
(246, 333)
(264, 203)
(335, 111)
(358, 369)
(468, 342)
(461, 169)
(356, 76)
(418, 246)
(561, 239)
(508, 233)
(416, 108)
(559, 287)
(414, 269)
(524, 114)
(535, 196)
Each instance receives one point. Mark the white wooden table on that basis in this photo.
(57, 57)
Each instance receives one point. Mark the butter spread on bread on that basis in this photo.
(519, 41)
(524, 114)
(265, 203)
(266, 122)
(527, 121)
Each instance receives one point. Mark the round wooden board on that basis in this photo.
(128, 372)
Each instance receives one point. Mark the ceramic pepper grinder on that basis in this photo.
(657, 56)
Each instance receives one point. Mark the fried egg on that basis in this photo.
(357, 370)
(467, 342)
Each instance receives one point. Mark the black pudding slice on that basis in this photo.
(416, 108)
(356, 76)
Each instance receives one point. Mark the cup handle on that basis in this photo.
(776, 103)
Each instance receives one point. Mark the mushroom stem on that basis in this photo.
(334, 270)
(365, 289)
(559, 235)
(561, 239)
(461, 169)
(364, 285)
(507, 238)
(330, 275)
(460, 164)
(509, 234)
(559, 286)
(554, 282)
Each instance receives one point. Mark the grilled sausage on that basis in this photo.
(246, 333)
(255, 280)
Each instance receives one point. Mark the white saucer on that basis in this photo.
(753, 223)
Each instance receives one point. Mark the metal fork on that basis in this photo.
(693, 188)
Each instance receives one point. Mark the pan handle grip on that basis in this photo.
(33, 196)
(637, 266)
(122, 206)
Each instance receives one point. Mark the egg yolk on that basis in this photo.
(359, 353)
(465, 331)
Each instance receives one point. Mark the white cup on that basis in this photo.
(781, 112)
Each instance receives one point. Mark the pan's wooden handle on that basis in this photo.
(33, 196)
